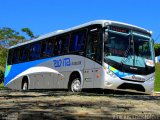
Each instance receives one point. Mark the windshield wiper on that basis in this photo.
(125, 55)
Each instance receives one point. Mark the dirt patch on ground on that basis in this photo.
(65, 105)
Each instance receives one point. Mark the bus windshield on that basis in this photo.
(142, 47)
(131, 50)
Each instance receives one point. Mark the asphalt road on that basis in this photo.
(59, 105)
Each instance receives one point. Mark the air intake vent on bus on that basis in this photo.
(131, 86)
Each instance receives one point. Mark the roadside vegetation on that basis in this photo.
(157, 49)
(2, 85)
(2, 69)
(10, 37)
(157, 77)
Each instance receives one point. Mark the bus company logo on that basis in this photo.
(62, 62)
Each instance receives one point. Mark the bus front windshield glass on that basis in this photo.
(130, 50)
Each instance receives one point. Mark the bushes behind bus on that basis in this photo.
(1, 75)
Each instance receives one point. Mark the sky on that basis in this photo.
(44, 16)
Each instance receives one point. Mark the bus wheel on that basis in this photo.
(76, 85)
(25, 86)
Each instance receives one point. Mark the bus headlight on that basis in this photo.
(110, 73)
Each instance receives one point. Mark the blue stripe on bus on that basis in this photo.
(21, 67)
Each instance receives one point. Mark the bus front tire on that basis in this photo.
(75, 85)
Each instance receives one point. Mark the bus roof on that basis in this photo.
(108, 22)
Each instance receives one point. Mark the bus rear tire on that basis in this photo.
(25, 84)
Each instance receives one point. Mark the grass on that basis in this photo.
(2, 85)
(157, 81)
(2, 68)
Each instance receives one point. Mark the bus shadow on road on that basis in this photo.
(86, 92)
(61, 104)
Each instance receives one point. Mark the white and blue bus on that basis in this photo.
(99, 54)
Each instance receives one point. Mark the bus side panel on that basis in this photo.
(46, 73)
(93, 74)
(64, 65)
(89, 73)
(99, 76)
(40, 80)
(71, 64)
(54, 79)
(16, 84)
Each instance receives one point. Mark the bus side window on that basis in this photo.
(57, 46)
(93, 48)
(61, 45)
(65, 41)
(15, 58)
(23, 55)
(77, 41)
(35, 51)
(47, 48)
(10, 55)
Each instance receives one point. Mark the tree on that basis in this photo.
(9, 37)
(157, 49)
(1, 76)
(3, 56)
(28, 32)
(8, 33)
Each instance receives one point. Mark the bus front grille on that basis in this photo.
(130, 86)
